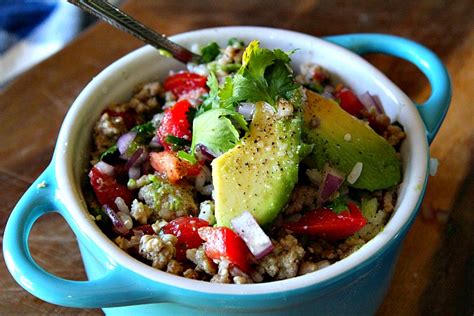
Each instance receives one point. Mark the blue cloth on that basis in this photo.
(19, 17)
(32, 30)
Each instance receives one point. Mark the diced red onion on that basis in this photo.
(105, 168)
(203, 153)
(371, 101)
(247, 109)
(138, 157)
(134, 173)
(248, 229)
(124, 141)
(155, 142)
(119, 225)
(332, 180)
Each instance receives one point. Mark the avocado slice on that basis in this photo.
(258, 174)
(343, 141)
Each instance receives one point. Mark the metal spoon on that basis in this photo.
(114, 16)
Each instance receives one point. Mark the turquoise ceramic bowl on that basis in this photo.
(122, 285)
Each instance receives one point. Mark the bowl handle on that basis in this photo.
(107, 291)
(434, 109)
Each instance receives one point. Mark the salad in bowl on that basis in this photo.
(243, 170)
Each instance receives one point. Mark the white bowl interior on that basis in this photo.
(117, 81)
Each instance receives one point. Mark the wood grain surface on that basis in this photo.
(434, 274)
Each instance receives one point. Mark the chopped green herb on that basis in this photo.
(210, 52)
(177, 143)
(339, 204)
(112, 151)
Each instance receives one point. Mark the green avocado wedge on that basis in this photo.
(259, 174)
(343, 140)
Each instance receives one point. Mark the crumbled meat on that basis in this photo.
(191, 274)
(302, 197)
(394, 135)
(283, 261)
(202, 262)
(140, 212)
(107, 130)
(308, 266)
(174, 267)
(144, 101)
(159, 249)
(223, 274)
(126, 244)
(158, 225)
(388, 199)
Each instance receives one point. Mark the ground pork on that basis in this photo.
(140, 212)
(302, 197)
(158, 249)
(202, 262)
(107, 130)
(283, 261)
(394, 135)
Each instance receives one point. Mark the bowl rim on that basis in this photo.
(392, 231)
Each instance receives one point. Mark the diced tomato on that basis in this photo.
(349, 101)
(128, 117)
(168, 164)
(186, 229)
(223, 243)
(175, 123)
(326, 223)
(107, 189)
(183, 82)
(146, 229)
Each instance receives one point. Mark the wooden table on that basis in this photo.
(434, 274)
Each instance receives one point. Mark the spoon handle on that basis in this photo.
(114, 16)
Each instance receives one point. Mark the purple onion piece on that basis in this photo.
(137, 158)
(155, 142)
(134, 172)
(247, 109)
(203, 153)
(119, 226)
(252, 234)
(105, 168)
(369, 101)
(124, 141)
(332, 180)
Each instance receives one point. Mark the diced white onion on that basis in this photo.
(121, 205)
(355, 173)
(247, 109)
(105, 168)
(248, 229)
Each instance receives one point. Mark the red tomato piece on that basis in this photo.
(168, 164)
(223, 243)
(183, 82)
(324, 222)
(107, 189)
(186, 229)
(349, 101)
(175, 123)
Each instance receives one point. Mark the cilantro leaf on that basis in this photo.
(339, 204)
(177, 143)
(264, 76)
(110, 153)
(209, 52)
(145, 131)
(216, 129)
